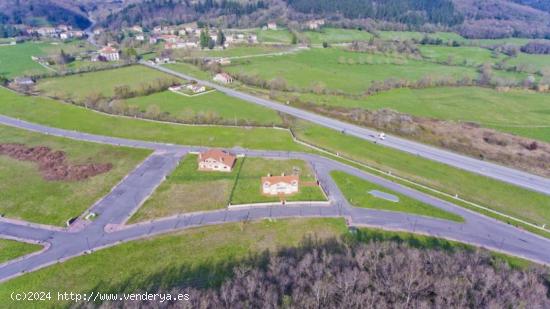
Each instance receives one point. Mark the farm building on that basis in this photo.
(223, 78)
(109, 53)
(277, 185)
(216, 160)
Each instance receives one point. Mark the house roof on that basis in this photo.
(278, 179)
(224, 75)
(219, 155)
(108, 50)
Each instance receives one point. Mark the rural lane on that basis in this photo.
(492, 170)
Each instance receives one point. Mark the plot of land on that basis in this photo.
(248, 186)
(338, 69)
(357, 192)
(79, 86)
(275, 36)
(240, 51)
(189, 190)
(11, 249)
(15, 60)
(201, 257)
(212, 107)
(66, 116)
(334, 35)
(409, 35)
(531, 63)
(460, 55)
(27, 195)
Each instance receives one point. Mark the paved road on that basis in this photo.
(108, 228)
(502, 173)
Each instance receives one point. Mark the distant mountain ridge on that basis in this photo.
(37, 12)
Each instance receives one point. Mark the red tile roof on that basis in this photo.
(278, 179)
(219, 155)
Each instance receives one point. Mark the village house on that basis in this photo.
(109, 53)
(223, 78)
(170, 38)
(216, 160)
(23, 81)
(137, 29)
(223, 61)
(280, 185)
(196, 88)
(140, 37)
(272, 25)
(153, 40)
(315, 24)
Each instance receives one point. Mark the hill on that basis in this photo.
(43, 12)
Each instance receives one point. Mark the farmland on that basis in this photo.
(357, 191)
(11, 249)
(214, 105)
(335, 35)
(80, 86)
(27, 195)
(15, 60)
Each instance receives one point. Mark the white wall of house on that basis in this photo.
(279, 188)
(214, 165)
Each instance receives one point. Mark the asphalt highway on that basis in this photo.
(492, 170)
(109, 228)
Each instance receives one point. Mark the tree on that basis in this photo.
(220, 39)
(325, 44)
(294, 38)
(211, 44)
(204, 38)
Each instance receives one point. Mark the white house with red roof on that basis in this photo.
(109, 53)
(223, 78)
(280, 185)
(216, 160)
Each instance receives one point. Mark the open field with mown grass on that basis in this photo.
(66, 116)
(281, 35)
(356, 191)
(11, 249)
(336, 35)
(248, 188)
(189, 190)
(338, 69)
(202, 257)
(27, 196)
(239, 50)
(213, 105)
(15, 60)
(531, 63)
(519, 112)
(409, 35)
(520, 203)
(473, 56)
(79, 86)
(190, 69)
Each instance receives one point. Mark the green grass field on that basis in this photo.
(213, 104)
(187, 68)
(27, 196)
(409, 35)
(79, 86)
(248, 186)
(509, 199)
(201, 256)
(339, 69)
(11, 249)
(188, 190)
(531, 63)
(274, 36)
(356, 191)
(238, 51)
(16, 60)
(66, 116)
(519, 112)
(473, 56)
(335, 35)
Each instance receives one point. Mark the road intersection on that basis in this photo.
(108, 228)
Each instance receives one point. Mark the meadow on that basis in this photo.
(470, 56)
(239, 50)
(338, 69)
(201, 257)
(356, 191)
(531, 63)
(410, 35)
(274, 36)
(15, 60)
(248, 185)
(70, 117)
(27, 196)
(213, 104)
(11, 249)
(188, 190)
(336, 35)
(79, 86)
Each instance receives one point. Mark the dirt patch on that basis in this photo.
(52, 164)
(463, 137)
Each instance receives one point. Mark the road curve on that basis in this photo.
(492, 170)
(108, 228)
